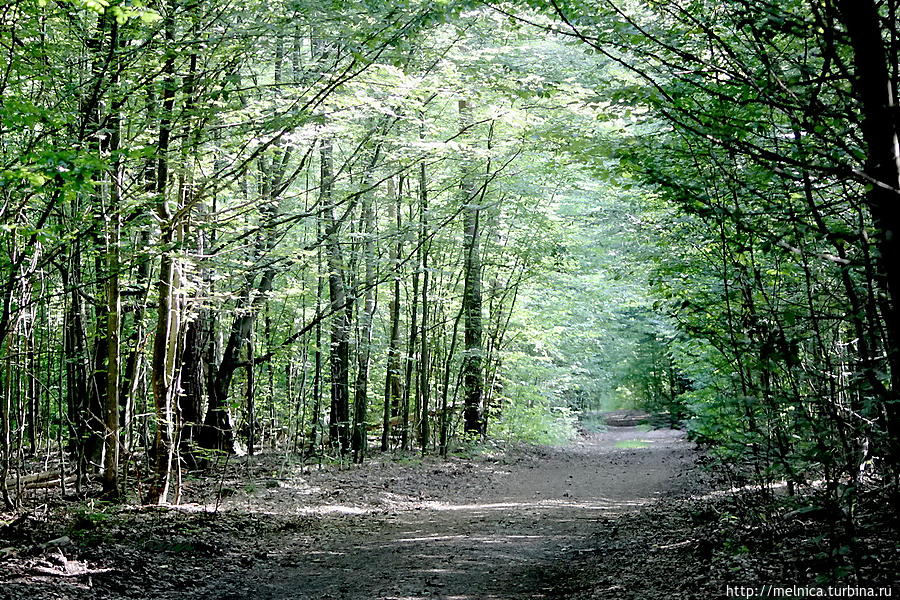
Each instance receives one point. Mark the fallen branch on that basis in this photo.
(37, 480)
(76, 572)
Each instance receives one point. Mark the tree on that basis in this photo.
(471, 304)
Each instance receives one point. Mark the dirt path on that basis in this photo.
(502, 527)
(491, 536)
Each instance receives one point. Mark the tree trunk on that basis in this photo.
(392, 392)
(251, 398)
(339, 357)
(168, 323)
(877, 95)
(410, 361)
(76, 365)
(424, 387)
(113, 307)
(472, 319)
(364, 351)
(316, 418)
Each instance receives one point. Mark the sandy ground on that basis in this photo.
(506, 526)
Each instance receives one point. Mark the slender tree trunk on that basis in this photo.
(91, 109)
(191, 380)
(163, 368)
(410, 362)
(474, 421)
(132, 376)
(75, 360)
(168, 324)
(424, 386)
(445, 388)
(339, 357)
(113, 307)
(316, 418)
(392, 392)
(360, 399)
(251, 398)
(6, 449)
(32, 389)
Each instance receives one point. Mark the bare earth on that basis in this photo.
(511, 526)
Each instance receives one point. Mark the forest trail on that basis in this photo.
(499, 532)
(530, 522)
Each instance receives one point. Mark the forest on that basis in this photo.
(281, 279)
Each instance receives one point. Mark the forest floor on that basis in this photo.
(614, 514)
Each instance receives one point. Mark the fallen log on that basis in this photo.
(37, 480)
(70, 480)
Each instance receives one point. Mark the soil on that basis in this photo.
(624, 513)
(525, 522)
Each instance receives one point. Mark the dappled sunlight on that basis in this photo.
(490, 538)
(439, 571)
(595, 504)
(431, 538)
(777, 485)
(334, 509)
(755, 487)
(407, 504)
(300, 487)
(463, 597)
